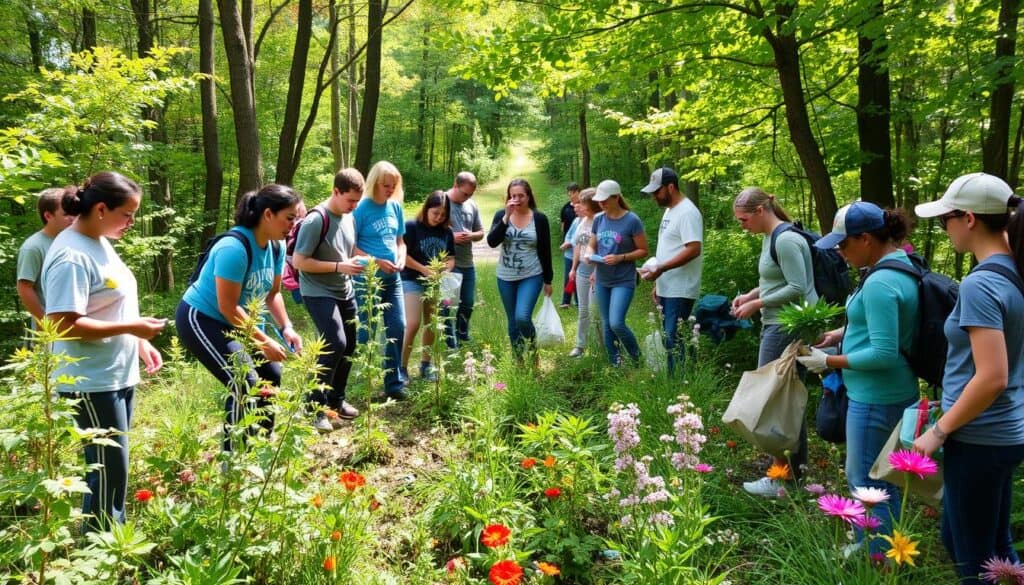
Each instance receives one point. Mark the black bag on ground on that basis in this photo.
(830, 419)
(831, 273)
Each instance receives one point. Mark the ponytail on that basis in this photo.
(273, 197)
(896, 227)
(750, 198)
(1015, 233)
(110, 188)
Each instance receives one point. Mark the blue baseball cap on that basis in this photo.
(852, 220)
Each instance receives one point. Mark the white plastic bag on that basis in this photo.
(654, 352)
(451, 287)
(548, 325)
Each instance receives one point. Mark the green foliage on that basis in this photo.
(809, 321)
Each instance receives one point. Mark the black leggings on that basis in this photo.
(335, 320)
(207, 339)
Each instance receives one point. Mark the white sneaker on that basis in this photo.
(764, 487)
(321, 424)
(576, 352)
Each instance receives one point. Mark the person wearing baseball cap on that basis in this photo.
(618, 241)
(676, 266)
(882, 321)
(982, 428)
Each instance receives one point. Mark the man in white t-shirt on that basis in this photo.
(678, 261)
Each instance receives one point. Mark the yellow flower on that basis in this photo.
(903, 549)
(777, 471)
(110, 283)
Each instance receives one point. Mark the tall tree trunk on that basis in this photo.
(787, 64)
(88, 29)
(287, 159)
(874, 104)
(353, 90)
(337, 154)
(243, 102)
(371, 93)
(584, 144)
(1013, 177)
(996, 141)
(35, 42)
(211, 141)
(421, 106)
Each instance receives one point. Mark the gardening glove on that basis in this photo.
(814, 362)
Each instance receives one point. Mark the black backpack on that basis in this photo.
(831, 274)
(205, 254)
(937, 294)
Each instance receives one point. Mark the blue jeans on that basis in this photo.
(567, 297)
(613, 302)
(868, 427)
(394, 327)
(977, 502)
(675, 311)
(774, 340)
(458, 329)
(519, 297)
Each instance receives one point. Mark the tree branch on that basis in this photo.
(266, 27)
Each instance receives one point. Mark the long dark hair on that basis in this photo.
(525, 185)
(273, 197)
(108, 187)
(436, 199)
(1015, 233)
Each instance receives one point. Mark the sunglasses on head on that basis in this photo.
(948, 216)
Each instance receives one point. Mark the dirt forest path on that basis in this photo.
(490, 197)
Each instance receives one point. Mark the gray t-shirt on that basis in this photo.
(615, 236)
(584, 231)
(789, 281)
(86, 276)
(465, 218)
(336, 246)
(30, 259)
(519, 259)
(987, 300)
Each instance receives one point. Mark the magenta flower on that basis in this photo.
(1003, 572)
(500, 386)
(815, 488)
(878, 558)
(868, 523)
(840, 507)
(703, 468)
(912, 462)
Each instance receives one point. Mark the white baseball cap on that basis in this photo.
(606, 189)
(976, 192)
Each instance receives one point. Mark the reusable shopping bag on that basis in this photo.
(929, 488)
(767, 408)
(451, 287)
(548, 325)
(917, 419)
(830, 419)
(654, 352)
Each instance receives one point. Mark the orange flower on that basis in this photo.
(506, 572)
(528, 463)
(330, 563)
(336, 535)
(549, 461)
(777, 471)
(317, 500)
(331, 413)
(730, 444)
(351, 480)
(548, 569)
(494, 535)
(143, 496)
(552, 493)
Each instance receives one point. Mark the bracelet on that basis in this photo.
(939, 433)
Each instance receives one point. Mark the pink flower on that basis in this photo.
(871, 496)
(703, 468)
(868, 523)
(1003, 572)
(912, 462)
(878, 558)
(815, 488)
(455, 564)
(186, 476)
(500, 386)
(840, 507)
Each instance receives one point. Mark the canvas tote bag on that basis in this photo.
(767, 408)
(929, 488)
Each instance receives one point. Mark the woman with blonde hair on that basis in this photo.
(788, 280)
(380, 233)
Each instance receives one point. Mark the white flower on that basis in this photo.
(871, 496)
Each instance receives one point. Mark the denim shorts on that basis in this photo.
(412, 287)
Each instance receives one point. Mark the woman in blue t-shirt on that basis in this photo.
(426, 238)
(982, 430)
(380, 234)
(524, 265)
(882, 316)
(239, 268)
(618, 241)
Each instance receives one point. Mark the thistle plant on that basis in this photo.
(809, 321)
(368, 360)
(433, 300)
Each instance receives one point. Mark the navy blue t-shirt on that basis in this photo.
(424, 243)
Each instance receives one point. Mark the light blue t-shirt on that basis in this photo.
(570, 235)
(882, 319)
(987, 300)
(85, 275)
(227, 260)
(378, 228)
